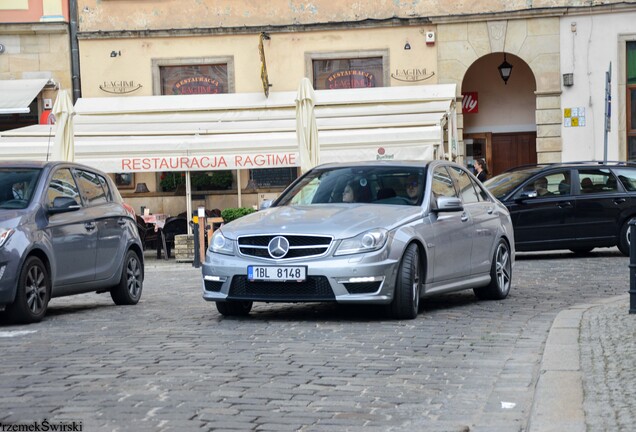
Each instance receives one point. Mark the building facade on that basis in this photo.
(34, 45)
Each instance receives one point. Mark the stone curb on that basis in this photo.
(558, 399)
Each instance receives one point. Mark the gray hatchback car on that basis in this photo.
(381, 232)
(64, 230)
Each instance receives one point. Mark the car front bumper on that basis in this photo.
(360, 278)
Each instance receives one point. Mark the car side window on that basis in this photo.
(594, 181)
(467, 191)
(62, 184)
(107, 191)
(627, 176)
(442, 184)
(91, 187)
(552, 184)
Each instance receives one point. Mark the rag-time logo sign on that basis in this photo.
(119, 87)
(412, 75)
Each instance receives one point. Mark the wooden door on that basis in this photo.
(511, 150)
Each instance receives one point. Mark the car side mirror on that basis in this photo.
(526, 195)
(63, 204)
(448, 204)
(265, 204)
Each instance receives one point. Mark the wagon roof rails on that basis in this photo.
(591, 162)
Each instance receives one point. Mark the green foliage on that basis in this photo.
(229, 214)
(214, 180)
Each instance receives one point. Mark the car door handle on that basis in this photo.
(619, 200)
(490, 210)
(121, 222)
(464, 217)
(564, 204)
(90, 226)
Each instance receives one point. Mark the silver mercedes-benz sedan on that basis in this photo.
(381, 232)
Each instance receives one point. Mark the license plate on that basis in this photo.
(276, 273)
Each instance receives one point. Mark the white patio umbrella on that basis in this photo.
(306, 128)
(64, 144)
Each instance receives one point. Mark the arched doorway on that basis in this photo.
(499, 118)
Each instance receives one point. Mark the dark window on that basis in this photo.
(348, 73)
(194, 79)
(272, 177)
(627, 176)
(597, 181)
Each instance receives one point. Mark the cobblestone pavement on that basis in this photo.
(172, 363)
(608, 360)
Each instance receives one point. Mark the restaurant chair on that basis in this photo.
(147, 233)
(174, 226)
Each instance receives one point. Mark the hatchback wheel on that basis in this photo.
(128, 291)
(500, 275)
(33, 294)
(406, 299)
(234, 308)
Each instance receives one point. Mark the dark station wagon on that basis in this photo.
(577, 205)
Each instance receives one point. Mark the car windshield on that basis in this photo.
(376, 185)
(502, 184)
(17, 186)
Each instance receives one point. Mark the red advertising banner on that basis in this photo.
(470, 103)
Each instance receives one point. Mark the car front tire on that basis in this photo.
(234, 308)
(500, 275)
(406, 299)
(33, 294)
(623, 239)
(128, 291)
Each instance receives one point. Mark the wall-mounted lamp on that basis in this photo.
(568, 79)
(407, 46)
(115, 53)
(505, 69)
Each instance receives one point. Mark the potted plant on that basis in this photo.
(229, 214)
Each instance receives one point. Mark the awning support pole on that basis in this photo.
(188, 201)
(238, 187)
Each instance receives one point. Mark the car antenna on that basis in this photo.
(50, 121)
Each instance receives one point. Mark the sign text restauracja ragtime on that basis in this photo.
(195, 163)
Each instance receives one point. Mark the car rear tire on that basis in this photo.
(623, 239)
(500, 275)
(128, 291)
(406, 299)
(33, 294)
(234, 308)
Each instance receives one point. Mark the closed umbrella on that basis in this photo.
(64, 145)
(306, 128)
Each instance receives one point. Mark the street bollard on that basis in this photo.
(632, 267)
(196, 263)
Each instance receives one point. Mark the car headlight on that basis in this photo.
(366, 242)
(4, 235)
(221, 245)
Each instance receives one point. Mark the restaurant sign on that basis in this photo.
(196, 85)
(350, 79)
(119, 86)
(207, 162)
(412, 75)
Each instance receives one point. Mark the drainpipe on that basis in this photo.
(75, 66)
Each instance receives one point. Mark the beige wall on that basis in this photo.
(102, 15)
(284, 53)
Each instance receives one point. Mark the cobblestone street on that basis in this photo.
(173, 363)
